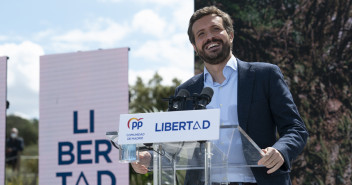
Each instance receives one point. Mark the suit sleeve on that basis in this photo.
(290, 126)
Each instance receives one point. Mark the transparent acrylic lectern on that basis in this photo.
(204, 161)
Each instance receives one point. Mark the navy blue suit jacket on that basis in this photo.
(265, 105)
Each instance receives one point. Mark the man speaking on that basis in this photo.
(251, 95)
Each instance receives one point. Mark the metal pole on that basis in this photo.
(207, 164)
(157, 164)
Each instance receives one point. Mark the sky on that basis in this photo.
(154, 30)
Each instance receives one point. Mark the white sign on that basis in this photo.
(3, 84)
(174, 126)
(82, 95)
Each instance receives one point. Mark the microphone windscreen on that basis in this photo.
(207, 91)
(183, 93)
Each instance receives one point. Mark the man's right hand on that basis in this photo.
(144, 161)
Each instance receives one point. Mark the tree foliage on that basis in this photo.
(310, 40)
(149, 97)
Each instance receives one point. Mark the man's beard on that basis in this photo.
(219, 57)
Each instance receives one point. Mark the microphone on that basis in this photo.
(179, 102)
(202, 100)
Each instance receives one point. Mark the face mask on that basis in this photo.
(13, 135)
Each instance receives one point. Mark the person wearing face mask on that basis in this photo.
(14, 145)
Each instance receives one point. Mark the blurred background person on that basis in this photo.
(14, 146)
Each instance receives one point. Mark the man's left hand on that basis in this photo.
(271, 159)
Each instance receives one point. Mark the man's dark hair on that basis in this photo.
(209, 10)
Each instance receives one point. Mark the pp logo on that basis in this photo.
(134, 123)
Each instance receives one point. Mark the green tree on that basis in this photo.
(149, 98)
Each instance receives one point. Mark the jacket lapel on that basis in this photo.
(246, 77)
(196, 86)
